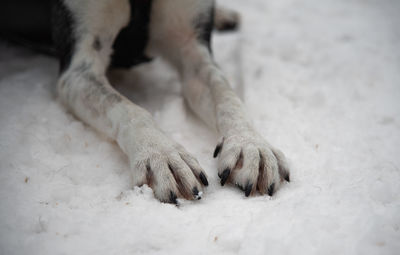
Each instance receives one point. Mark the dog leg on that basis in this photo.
(244, 157)
(83, 87)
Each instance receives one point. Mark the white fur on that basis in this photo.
(155, 159)
(98, 104)
(209, 95)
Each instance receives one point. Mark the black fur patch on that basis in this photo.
(131, 42)
(63, 33)
(27, 23)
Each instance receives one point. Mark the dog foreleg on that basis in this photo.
(181, 36)
(83, 87)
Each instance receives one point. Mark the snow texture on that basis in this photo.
(321, 79)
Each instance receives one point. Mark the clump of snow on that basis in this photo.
(321, 81)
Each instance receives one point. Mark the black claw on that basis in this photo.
(271, 189)
(287, 178)
(228, 26)
(172, 198)
(248, 189)
(196, 194)
(203, 179)
(224, 176)
(240, 186)
(217, 150)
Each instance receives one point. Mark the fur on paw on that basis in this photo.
(251, 163)
(170, 171)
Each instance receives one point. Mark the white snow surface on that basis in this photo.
(321, 79)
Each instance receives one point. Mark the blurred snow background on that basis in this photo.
(321, 80)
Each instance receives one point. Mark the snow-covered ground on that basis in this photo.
(321, 80)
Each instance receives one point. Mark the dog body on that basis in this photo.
(89, 36)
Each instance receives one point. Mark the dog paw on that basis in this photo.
(169, 170)
(250, 163)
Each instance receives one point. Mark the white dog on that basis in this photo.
(90, 36)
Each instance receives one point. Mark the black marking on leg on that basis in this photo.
(63, 25)
(203, 25)
(97, 44)
(224, 176)
(248, 189)
(111, 97)
(173, 198)
(271, 189)
(203, 179)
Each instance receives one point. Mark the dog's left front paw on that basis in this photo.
(250, 163)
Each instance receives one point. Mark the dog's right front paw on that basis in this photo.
(170, 171)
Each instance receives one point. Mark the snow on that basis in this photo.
(321, 79)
